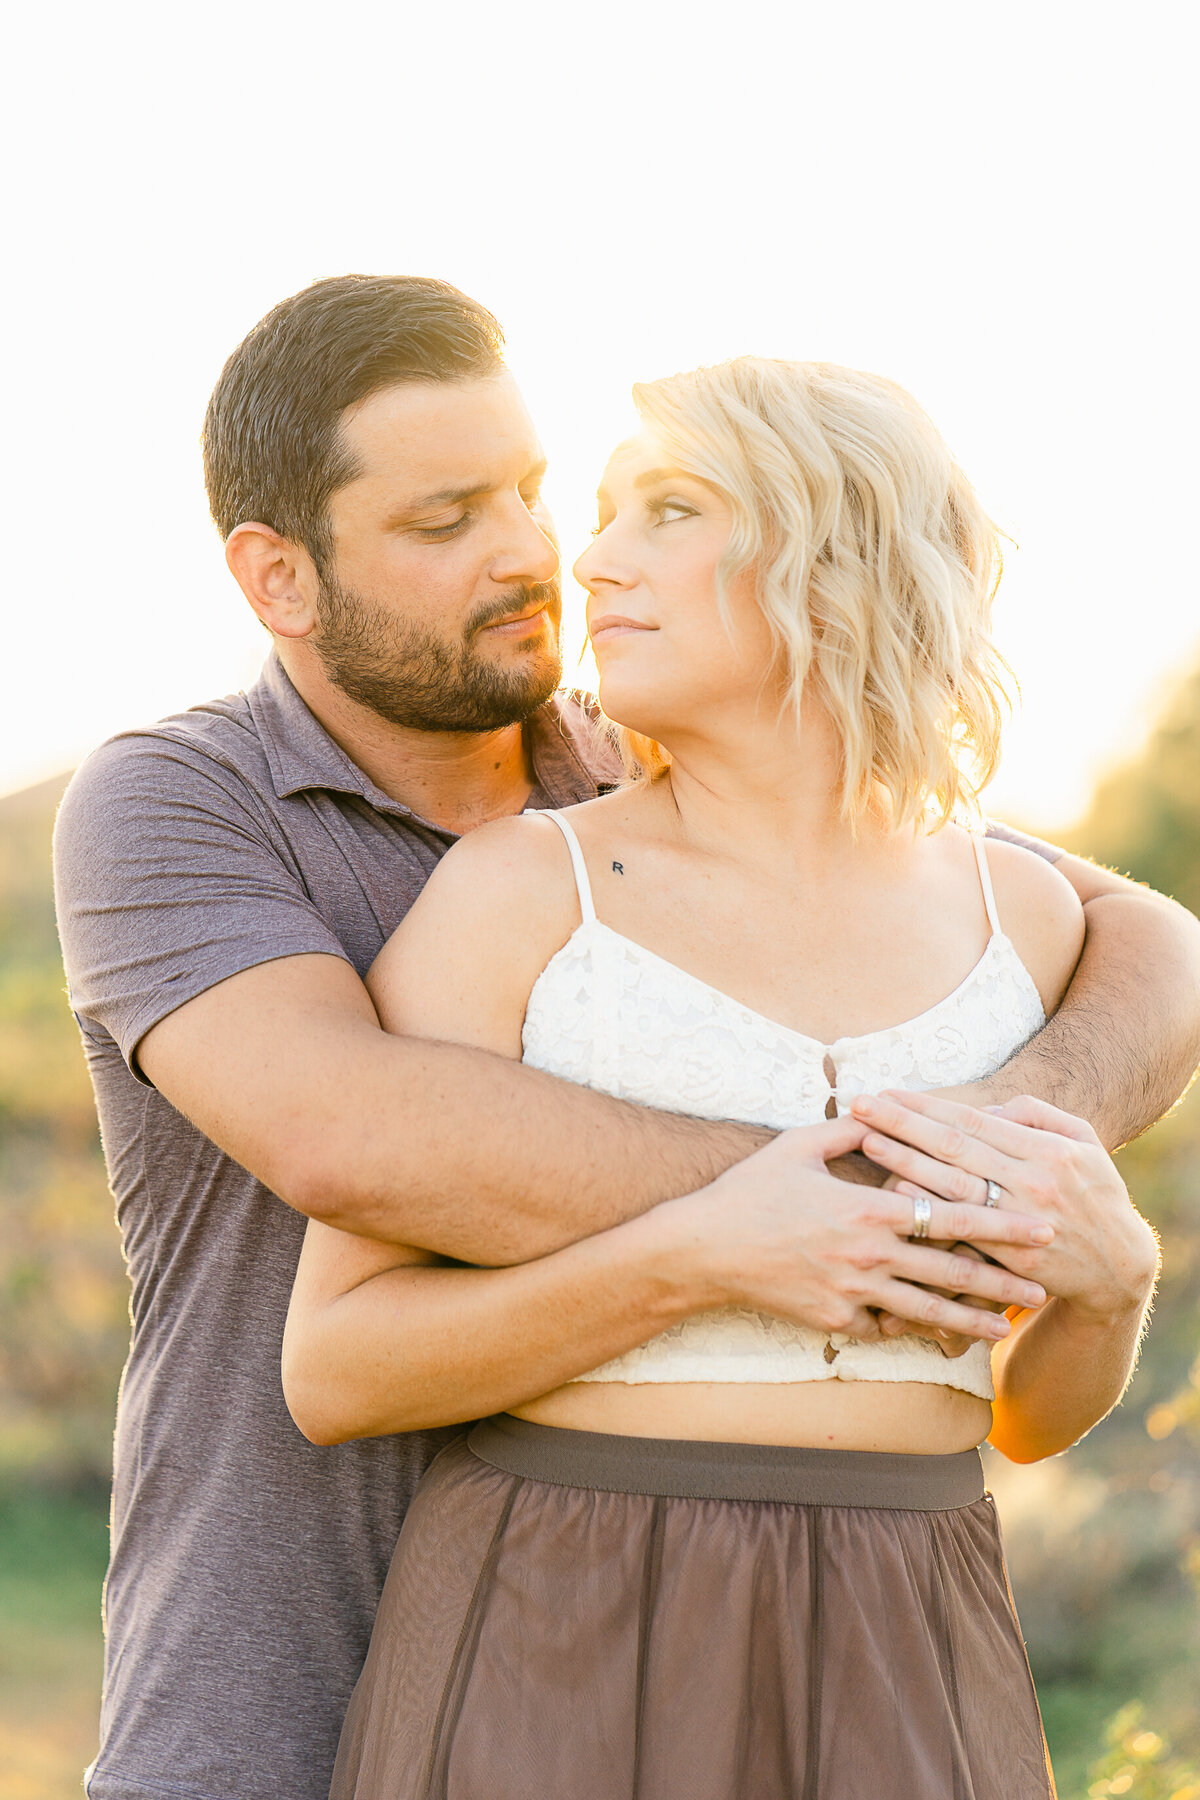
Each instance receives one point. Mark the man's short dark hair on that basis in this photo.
(273, 450)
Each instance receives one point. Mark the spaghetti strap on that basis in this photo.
(985, 882)
(582, 884)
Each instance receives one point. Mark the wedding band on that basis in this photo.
(994, 1191)
(922, 1214)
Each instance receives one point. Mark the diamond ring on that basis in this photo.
(994, 1191)
(922, 1214)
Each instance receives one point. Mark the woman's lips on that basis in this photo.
(614, 625)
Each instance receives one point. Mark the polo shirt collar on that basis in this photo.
(301, 755)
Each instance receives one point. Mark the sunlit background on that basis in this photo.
(992, 204)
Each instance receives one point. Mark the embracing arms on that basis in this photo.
(380, 1339)
(1125, 1042)
(284, 1065)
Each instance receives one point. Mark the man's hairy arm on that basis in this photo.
(438, 1145)
(1125, 1042)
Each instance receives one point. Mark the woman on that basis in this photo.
(747, 1558)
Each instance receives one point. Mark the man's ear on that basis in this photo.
(278, 578)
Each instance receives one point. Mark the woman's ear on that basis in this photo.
(278, 578)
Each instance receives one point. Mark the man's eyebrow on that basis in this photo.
(455, 495)
(446, 497)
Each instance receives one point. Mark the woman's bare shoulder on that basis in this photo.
(1041, 913)
(461, 964)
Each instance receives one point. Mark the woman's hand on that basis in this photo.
(1047, 1164)
(780, 1234)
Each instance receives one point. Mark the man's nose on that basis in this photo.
(530, 552)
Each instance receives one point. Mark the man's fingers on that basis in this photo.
(973, 1224)
(964, 1275)
(1041, 1116)
(952, 1181)
(821, 1142)
(950, 1315)
(838, 1137)
(951, 1343)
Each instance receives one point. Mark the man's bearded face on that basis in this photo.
(493, 671)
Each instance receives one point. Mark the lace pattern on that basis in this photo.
(610, 1014)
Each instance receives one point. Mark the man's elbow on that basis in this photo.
(320, 1186)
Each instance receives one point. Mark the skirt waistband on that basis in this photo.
(678, 1469)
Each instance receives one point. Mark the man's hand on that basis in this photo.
(780, 1234)
(1048, 1165)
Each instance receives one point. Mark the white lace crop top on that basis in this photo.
(609, 1014)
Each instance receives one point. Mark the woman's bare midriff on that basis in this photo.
(904, 1417)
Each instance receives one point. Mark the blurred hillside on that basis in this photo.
(1104, 1543)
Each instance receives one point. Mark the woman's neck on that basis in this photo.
(769, 794)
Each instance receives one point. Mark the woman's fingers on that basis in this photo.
(953, 1133)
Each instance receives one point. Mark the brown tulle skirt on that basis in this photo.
(574, 1616)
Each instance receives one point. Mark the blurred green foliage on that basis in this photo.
(1104, 1543)
(63, 1300)
(1145, 817)
(1140, 1764)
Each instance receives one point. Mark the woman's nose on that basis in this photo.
(599, 565)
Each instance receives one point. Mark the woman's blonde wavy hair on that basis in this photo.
(875, 567)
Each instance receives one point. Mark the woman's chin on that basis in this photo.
(630, 705)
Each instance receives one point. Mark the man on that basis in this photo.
(226, 877)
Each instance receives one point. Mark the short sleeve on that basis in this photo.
(170, 876)
(1038, 846)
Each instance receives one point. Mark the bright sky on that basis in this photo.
(988, 203)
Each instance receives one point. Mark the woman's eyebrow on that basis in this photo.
(652, 477)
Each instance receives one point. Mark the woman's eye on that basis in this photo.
(668, 511)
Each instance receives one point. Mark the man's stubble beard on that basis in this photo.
(411, 677)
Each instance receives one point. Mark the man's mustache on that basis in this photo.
(522, 599)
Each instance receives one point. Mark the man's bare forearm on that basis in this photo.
(1125, 1042)
(498, 1163)
(452, 1149)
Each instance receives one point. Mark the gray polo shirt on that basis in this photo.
(246, 1563)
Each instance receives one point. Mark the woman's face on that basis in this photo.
(667, 662)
